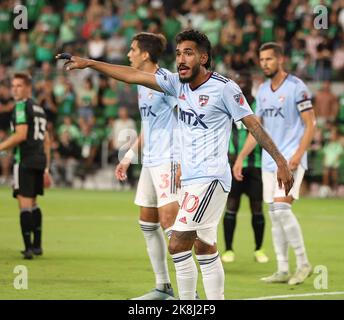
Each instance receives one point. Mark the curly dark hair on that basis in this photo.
(201, 40)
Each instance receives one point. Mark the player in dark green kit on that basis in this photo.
(31, 161)
(251, 185)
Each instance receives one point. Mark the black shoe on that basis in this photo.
(37, 251)
(27, 254)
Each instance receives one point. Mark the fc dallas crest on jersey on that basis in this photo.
(239, 98)
(203, 100)
(281, 99)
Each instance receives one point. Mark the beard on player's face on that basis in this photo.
(270, 73)
(194, 73)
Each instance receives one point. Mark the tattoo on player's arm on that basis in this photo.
(265, 141)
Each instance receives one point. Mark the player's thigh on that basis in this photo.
(25, 202)
(269, 185)
(234, 196)
(204, 248)
(254, 184)
(163, 177)
(201, 210)
(24, 182)
(145, 192)
(39, 182)
(168, 214)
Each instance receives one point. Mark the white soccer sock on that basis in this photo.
(186, 274)
(168, 232)
(279, 240)
(213, 276)
(293, 232)
(157, 251)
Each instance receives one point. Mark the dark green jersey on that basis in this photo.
(340, 115)
(30, 153)
(237, 141)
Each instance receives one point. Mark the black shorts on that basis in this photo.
(27, 182)
(252, 184)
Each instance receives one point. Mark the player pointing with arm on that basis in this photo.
(285, 109)
(156, 191)
(208, 103)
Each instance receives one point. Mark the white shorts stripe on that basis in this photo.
(201, 210)
(205, 202)
(16, 176)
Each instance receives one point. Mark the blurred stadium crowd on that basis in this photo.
(86, 111)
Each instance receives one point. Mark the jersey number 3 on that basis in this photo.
(40, 125)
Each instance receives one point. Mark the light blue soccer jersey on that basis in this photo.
(280, 111)
(206, 114)
(159, 119)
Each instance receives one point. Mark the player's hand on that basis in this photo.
(47, 180)
(237, 169)
(121, 170)
(178, 175)
(73, 62)
(294, 161)
(285, 177)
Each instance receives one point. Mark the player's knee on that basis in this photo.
(230, 214)
(168, 214)
(24, 202)
(202, 248)
(174, 247)
(150, 215)
(233, 204)
(166, 221)
(256, 207)
(184, 241)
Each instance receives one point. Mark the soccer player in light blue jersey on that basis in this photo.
(156, 191)
(285, 110)
(208, 103)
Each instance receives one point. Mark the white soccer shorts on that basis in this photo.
(271, 189)
(201, 209)
(156, 187)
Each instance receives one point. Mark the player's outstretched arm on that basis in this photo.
(118, 72)
(284, 174)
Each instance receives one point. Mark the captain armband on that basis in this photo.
(304, 105)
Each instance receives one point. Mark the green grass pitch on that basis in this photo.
(94, 249)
